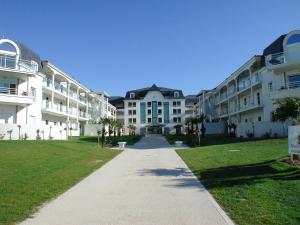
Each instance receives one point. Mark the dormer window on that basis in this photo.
(132, 95)
(176, 94)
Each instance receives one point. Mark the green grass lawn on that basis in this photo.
(32, 172)
(249, 180)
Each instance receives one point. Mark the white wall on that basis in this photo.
(11, 131)
(214, 128)
(260, 128)
(91, 129)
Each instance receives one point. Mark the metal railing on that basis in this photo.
(15, 91)
(294, 84)
(276, 59)
(9, 62)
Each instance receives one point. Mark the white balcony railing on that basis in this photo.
(294, 84)
(9, 62)
(64, 90)
(276, 59)
(16, 91)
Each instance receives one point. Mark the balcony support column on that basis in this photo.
(52, 90)
(68, 101)
(77, 107)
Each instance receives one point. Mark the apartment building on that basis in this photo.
(249, 94)
(151, 110)
(39, 99)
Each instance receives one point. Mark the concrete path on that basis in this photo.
(148, 187)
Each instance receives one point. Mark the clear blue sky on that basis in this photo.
(118, 45)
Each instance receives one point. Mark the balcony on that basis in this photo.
(61, 89)
(248, 107)
(54, 109)
(245, 84)
(9, 63)
(16, 96)
(281, 62)
(292, 89)
(83, 115)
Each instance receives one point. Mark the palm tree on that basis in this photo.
(178, 129)
(113, 124)
(104, 122)
(132, 129)
(189, 124)
(119, 127)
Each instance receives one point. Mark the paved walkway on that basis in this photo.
(149, 187)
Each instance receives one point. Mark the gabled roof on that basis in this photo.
(141, 93)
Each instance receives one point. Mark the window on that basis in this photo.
(176, 94)
(245, 101)
(159, 111)
(133, 104)
(149, 111)
(270, 86)
(54, 123)
(178, 111)
(129, 104)
(293, 39)
(259, 118)
(47, 122)
(159, 103)
(174, 111)
(174, 104)
(179, 119)
(174, 119)
(134, 112)
(149, 104)
(160, 120)
(132, 95)
(258, 98)
(129, 112)
(133, 120)
(178, 103)
(60, 123)
(129, 120)
(246, 120)
(149, 120)
(294, 81)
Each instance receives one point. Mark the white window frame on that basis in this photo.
(132, 95)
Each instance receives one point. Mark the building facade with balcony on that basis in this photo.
(38, 99)
(151, 110)
(250, 93)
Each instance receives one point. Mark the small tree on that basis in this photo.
(288, 108)
(231, 129)
(98, 138)
(104, 122)
(189, 122)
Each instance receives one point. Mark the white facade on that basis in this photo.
(156, 111)
(250, 93)
(37, 96)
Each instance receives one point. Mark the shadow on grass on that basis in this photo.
(247, 174)
(211, 139)
(113, 140)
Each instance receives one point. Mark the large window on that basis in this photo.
(294, 81)
(293, 39)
